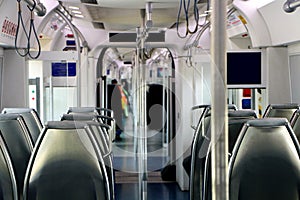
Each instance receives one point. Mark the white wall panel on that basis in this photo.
(14, 80)
(283, 27)
(279, 82)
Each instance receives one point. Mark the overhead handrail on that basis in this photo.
(39, 8)
(290, 6)
(32, 6)
(32, 28)
(186, 13)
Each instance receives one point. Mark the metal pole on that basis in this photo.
(219, 147)
(78, 48)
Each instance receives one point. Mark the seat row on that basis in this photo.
(264, 155)
(67, 159)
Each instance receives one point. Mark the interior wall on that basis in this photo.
(279, 22)
(14, 80)
(279, 82)
(184, 133)
(255, 23)
(294, 60)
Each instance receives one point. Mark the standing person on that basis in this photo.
(117, 101)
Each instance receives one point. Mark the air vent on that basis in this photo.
(89, 1)
(131, 37)
(98, 25)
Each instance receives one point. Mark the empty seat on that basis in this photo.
(100, 111)
(89, 117)
(200, 148)
(236, 120)
(265, 162)
(67, 164)
(105, 116)
(200, 109)
(295, 123)
(31, 118)
(79, 117)
(281, 110)
(106, 152)
(8, 185)
(19, 144)
(101, 136)
(205, 110)
(82, 110)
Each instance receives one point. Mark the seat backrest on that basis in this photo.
(281, 110)
(67, 164)
(8, 184)
(232, 107)
(101, 137)
(106, 152)
(198, 110)
(19, 144)
(105, 111)
(79, 117)
(265, 162)
(295, 123)
(31, 119)
(200, 149)
(88, 117)
(82, 110)
(236, 120)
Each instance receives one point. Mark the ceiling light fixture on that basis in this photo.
(79, 16)
(73, 8)
(76, 12)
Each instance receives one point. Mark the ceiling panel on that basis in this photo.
(138, 4)
(125, 14)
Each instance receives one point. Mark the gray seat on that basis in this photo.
(100, 111)
(200, 148)
(236, 120)
(19, 144)
(8, 184)
(31, 118)
(105, 116)
(67, 164)
(100, 132)
(295, 123)
(281, 110)
(265, 162)
(201, 109)
(106, 152)
(205, 110)
(89, 117)
(79, 117)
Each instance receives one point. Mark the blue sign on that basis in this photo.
(246, 103)
(63, 69)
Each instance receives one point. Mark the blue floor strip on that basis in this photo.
(156, 191)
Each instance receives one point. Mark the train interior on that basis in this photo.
(63, 61)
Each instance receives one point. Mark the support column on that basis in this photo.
(219, 128)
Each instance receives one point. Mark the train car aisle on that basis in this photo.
(126, 164)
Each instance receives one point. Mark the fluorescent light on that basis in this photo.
(79, 16)
(73, 8)
(76, 11)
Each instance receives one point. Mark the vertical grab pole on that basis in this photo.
(143, 122)
(142, 144)
(219, 159)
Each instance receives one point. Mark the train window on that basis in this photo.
(244, 69)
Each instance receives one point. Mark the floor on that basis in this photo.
(126, 165)
(156, 191)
